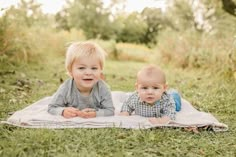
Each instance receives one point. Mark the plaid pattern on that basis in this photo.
(163, 107)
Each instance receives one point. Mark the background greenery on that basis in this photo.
(200, 63)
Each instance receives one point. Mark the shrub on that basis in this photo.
(195, 50)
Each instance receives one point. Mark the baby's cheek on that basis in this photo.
(158, 97)
(141, 96)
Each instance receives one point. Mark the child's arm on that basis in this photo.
(55, 109)
(128, 106)
(168, 107)
(167, 111)
(162, 120)
(57, 104)
(124, 113)
(105, 107)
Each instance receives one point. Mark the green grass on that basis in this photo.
(23, 84)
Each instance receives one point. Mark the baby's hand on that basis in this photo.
(123, 114)
(70, 112)
(163, 120)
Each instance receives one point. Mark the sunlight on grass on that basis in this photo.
(133, 52)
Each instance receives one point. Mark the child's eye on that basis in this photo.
(94, 68)
(81, 68)
(145, 88)
(156, 88)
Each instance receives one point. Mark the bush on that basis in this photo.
(22, 43)
(16, 41)
(195, 50)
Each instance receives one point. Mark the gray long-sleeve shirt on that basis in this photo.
(68, 95)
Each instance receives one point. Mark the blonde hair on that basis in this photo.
(152, 71)
(83, 49)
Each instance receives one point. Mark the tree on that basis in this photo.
(229, 6)
(62, 21)
(27, 13)
(154, 20)
(180, 16)
(91, 17)
(133, 28)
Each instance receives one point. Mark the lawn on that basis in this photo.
(22, 84)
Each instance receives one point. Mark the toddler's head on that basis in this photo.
(84, 63)
(85, 49)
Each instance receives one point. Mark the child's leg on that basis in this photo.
(177, 98)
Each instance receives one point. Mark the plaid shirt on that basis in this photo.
(164, 107)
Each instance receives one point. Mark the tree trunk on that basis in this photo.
(229, 6)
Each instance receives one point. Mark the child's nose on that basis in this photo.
(150, 90)
(88, 71)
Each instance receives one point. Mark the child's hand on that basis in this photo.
(163, 120)
(89, 110)
(70, 112)
(89, 113)
(123, 114)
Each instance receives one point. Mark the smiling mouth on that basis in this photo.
(87, 79)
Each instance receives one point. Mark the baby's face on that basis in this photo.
(150, 90)
(86, 72)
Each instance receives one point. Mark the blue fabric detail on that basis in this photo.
(177, 99)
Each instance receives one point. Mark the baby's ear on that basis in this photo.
(136, 86)
(165, 86)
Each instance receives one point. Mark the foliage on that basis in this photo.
(18, 30)
(187, 47)
(62, 20)
(16, 41)
(154, 19)
(26, 33)
(91, 17)
(26, 13)
(133, 28)
(191, 49)
(3, 34)
(180, 16)
(196, 50)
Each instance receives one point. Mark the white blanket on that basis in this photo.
(36, 116)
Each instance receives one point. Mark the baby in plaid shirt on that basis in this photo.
(151, 98)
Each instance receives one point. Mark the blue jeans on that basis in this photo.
(175, 94)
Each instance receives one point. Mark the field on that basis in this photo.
(23, 84)
(200, 63)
